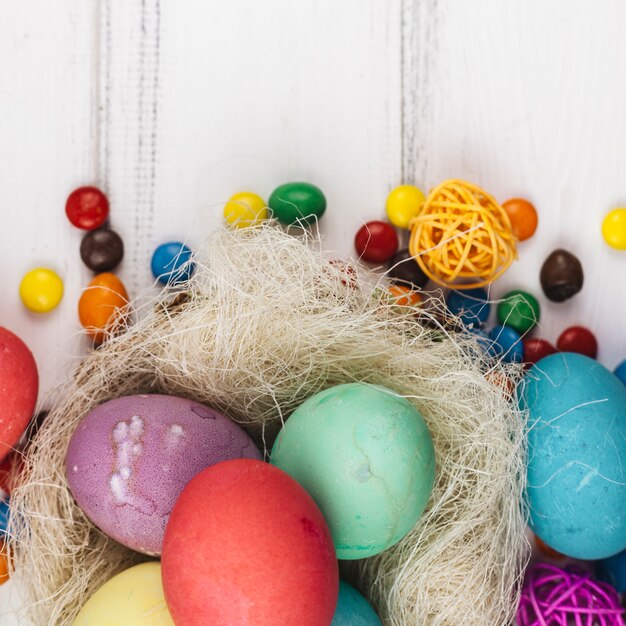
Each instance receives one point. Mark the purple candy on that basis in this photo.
(130, 458)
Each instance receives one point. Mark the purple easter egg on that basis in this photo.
(130, 458)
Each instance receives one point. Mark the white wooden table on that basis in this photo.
(173, 106)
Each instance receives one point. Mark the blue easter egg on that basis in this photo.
(171, 263)
(353, 609)
(506, 344)
(620, 371)
(613, 571)
(576, 477)
(471, 305)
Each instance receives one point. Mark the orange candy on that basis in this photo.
(4, 563)
(100, 303)
(403, 296)
(523, 216)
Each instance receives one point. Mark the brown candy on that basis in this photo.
(561, 276)
(403, 269)
(101, 250)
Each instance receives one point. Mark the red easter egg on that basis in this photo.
(246, 545)
(19, 384)
(578, 339)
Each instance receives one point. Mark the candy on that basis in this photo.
(506, 344)
(367, 458)
(403, 296)
(471, 305)
(18, 391)
(403, 268)
(614, 229)
(519, 310)
(102, 250)
(620, 371)
(376, 242)
(561, 275)
(245, 209)
(171, 263)
(547, 551)
(403, 204)
(523, 216)
(536, 349)
(297, 203)
(41, 290)
(578, 339)
(87, 208)
(246, 544)
(100, 304)
(4, 517)
(5, 556)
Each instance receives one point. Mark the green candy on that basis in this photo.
(366, 457)
(519, 310)
(294, 203)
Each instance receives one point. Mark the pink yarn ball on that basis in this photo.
(567, 597)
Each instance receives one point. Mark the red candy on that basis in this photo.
(87, 208)
(578, 339)
(536, 349)
(376, 242)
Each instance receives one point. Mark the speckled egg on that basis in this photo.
(129, 459)
(576, 455)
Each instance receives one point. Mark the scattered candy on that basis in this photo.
(41, 290)
(523, 216)
(102, 250)
(403, 204)
(471, 305)
(613, 571)
(536, 349)
(353, 609)
(171, 263)
(403, 268)
(297, 203)
(519, 310)
(245, 209)
(87, 208)
(620, 371)
(561, 276)
(403, 296)
(555, 596)
(507, 344)
(578, 339)
(614, 229)
(376, 242)
(4, 562)
(100, 304)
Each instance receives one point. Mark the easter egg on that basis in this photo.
(366, 456)
(100, 305)
(246, 544)
(19, 385)
(620, 371)
(353, 609)
(132, 598)
(576, 472)
(129, 459)
(171, 263)
(297, 203)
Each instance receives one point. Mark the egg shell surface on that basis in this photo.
(353, 609)
(132, 598)
(129, 459)
(366, 456)
(19, 386)
(247, 546)
(576, 473)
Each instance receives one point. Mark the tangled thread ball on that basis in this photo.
(462, 237)
(559, 597)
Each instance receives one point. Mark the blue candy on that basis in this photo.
(507, 344)
(171, 263)
(353, 609)
(4, 516)
(471, 305)
(620, 371)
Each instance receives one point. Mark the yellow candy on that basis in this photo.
(614, 229)
(41, 290)
(403, 204)
(245, 209)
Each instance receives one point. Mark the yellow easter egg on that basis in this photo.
(245, 209)
(614, 229)
(41, 290)
(403, 204)
(135, 596)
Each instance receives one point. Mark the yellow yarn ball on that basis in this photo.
(245, 209)
(403, 204)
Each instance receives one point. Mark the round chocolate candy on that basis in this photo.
(403, 269)
(561, 276)
(101, 250)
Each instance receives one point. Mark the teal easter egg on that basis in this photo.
(353, 609)
(576, 489)
(366, 456)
